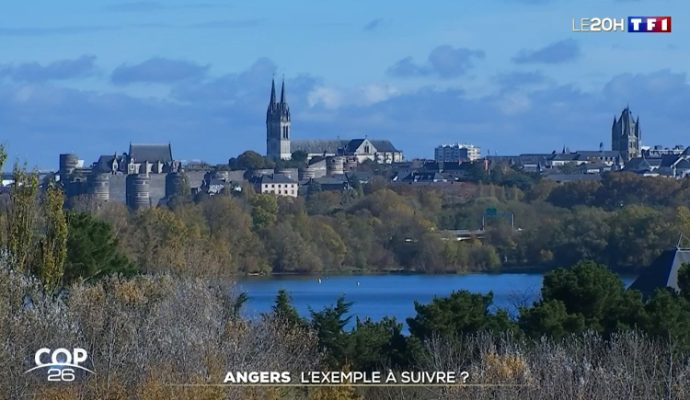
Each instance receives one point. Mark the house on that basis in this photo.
(277, 184)
(675, 166)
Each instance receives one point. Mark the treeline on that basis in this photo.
(625, 221)
(373, 228)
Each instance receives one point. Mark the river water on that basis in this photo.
(376, 296)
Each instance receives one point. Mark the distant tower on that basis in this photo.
(278, 126)
(625, 135)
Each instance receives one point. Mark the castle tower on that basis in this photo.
(278, 129)
(626, 135)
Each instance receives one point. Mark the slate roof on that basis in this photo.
(384, 146)
(104, 163)
(596, 153)
(353, 145)
(683, 164)
(663, 272)
(566, 157)
(668, 160)
(316, 146)
(151, 152)
(638, 164)
(275, 178)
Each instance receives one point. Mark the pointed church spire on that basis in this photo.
(282, 92)
(273, 93)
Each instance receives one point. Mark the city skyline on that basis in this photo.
(509, 77)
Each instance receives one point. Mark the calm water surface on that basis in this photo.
(376, 296)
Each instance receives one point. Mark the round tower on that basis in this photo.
(68, 163)
(351, 163)
(99, 186)
(138, 191)
(335, 165)
(309, 172)
(175, 183)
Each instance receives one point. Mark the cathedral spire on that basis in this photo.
(282, 92)
(273, 94)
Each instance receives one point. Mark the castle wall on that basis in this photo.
(117, 188)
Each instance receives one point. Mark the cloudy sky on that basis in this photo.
(91, 76)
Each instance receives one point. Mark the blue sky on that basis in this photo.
(508, 75)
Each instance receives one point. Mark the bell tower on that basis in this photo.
(626, 135)
(278, 125)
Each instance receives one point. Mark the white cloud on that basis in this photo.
(333, 98)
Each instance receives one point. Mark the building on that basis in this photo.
(280, 185)
(279, 143)
(669, 165)
(278, 126)
(663, 272)
(380, 151)
(456, 153)
(141, 178)
(659, 151)
(626, 135)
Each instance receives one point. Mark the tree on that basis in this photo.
(586, 296)
(329, 325)
(264, 210)
(92, 251)
(550, 317)
(21, 217)
(575, 193)
(3, 156)
(460, 313)
(285, 311)
(668, 317)
(372, 346)
(299, 156)
(54, 244)
(251, 160)
(684, 280)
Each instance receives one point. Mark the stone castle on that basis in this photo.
(141, 177)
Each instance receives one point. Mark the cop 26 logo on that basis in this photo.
(61, 364)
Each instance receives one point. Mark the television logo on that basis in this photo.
(61, 363)
(634, 24)
(649, 24)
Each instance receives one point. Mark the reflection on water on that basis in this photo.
(376, 296)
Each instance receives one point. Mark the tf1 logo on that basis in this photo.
(634, 24)
(60, 363)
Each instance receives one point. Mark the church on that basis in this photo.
(626, 135)
(279, 144)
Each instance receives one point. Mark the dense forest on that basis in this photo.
(137, 290)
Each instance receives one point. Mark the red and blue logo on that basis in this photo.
(649, 24)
